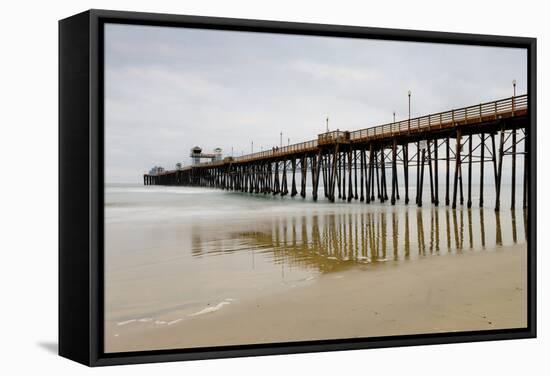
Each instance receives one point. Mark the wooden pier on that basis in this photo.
(360, 165)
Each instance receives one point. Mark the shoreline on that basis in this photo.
(453, 292)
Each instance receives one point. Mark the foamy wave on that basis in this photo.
(125, 322)
(215, 308)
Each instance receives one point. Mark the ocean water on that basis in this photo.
(197, 250)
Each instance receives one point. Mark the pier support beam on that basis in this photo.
(355, 163)
(419, 202)
(417, 170)
(316, 169)
(343, 174)
(304, 176)
(406, 170)
(339, 174)
(513, 193)
(430, 169)
(284, 188)
(495, 169)
(380, 193)
(270, 181)
(469, 203)
(386, 197)
(394, 172)
(457, 166)
(362, 155)
(293, 191)
(326, 171)
(350, 186)
(276, 186)
(481, 169)
(333, 174)
(370, 177)
(436, 172)
(499, 172)
(447, 170)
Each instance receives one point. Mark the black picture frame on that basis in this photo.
(81, 186)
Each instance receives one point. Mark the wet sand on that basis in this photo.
(452, 292)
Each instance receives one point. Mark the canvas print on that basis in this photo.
(269, 188)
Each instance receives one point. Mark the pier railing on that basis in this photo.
(472, 114)
(280, 151)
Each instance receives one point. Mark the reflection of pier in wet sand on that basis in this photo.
(332, 242)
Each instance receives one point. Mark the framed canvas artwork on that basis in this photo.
(234, 187)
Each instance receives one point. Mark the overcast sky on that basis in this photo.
(169, 89)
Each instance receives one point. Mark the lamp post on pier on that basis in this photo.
(514, 96)
(409, 122)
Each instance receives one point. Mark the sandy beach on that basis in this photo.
(452, 292)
